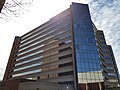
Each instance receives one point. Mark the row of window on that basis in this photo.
(47, 33)
(111, 74)
(88, 60)
(48, 76)
(21, 49)
(86, 48)
(91, 75)
(113, 80)
(108, 67)
(87, 69)
(87, 56)
(40, 41)
(29, 66)
(82, 43)
(84, 31)
(26, 73)
(46, 25)
(88, 38)
(48, 68)
(29, 55)
(29, 60)
(88, 64)
(90, 80)
(45, 29)
(30, 50)
(49, 60)
(83, 48)
(51, 47)
(50, 54)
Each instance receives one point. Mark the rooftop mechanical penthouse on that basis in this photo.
(66, 50)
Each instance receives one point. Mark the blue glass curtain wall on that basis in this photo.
(87, 56)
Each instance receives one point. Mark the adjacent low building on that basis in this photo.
(66, 52)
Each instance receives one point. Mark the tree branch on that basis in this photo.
(14, 7)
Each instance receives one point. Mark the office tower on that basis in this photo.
(1, 4)
(67, 50)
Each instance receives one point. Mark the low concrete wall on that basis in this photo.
(116, 88)
(11, 84)
(43, 86)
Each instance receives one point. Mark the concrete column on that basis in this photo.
(100, 87)
(86, 86)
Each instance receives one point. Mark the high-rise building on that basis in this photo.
(1, 4)
(67, 50)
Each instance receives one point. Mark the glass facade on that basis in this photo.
(87, 57)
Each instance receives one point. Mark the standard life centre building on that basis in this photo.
(66, 50)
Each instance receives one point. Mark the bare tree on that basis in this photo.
(13, 8)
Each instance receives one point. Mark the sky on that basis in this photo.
(104, 13)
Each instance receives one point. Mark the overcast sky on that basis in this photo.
(105, 14)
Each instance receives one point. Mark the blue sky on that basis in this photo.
(105, 14)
